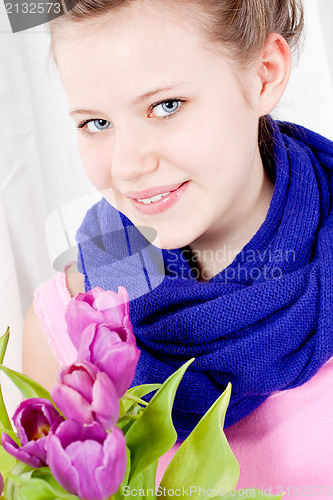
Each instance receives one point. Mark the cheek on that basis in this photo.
(95, 162)
(232, 139)
(202, 146)
(216, 138)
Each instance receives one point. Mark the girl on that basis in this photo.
(216, 218)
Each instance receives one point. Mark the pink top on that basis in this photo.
(285, 444)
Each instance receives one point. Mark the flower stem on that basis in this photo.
(131, 397)
(128, 416)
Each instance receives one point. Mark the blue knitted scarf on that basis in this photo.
(265, 323)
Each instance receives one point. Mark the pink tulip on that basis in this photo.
(100, 328)
(34, 419)
(85, 394)
(86, 460)
(99, 306)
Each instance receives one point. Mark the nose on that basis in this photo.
(133, 155)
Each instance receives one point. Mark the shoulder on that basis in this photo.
(74, 280)
(38, 360)
(44, 333)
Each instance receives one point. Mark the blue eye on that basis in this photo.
(97, 124)
(92, 127)
(165, 108)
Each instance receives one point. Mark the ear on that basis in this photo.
(274, 67)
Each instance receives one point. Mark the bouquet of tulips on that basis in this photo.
(94, 437)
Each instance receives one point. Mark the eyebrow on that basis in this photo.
(144, 97)
(152, 93)
(85, 112)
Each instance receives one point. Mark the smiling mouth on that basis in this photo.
(158, 197)
(151, 193)
(161, 201)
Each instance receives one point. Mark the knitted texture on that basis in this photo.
(265, 323)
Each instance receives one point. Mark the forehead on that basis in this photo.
(185, 13)
(133, 51)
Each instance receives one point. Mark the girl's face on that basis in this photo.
(159, 110)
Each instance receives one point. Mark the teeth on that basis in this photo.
(158, 197)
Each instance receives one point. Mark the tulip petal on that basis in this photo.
(105, 402)
(119, 362)
(80, 381)
(109, 334)
(86, 460)
(69, 431)
(91, 295)
(130, 337)
(29, 412)
(49, 411)
(86, 340)
(79, 315)
(105, 338)
(114, 305)
(34, 418)
(37, 449)
(72, 404)
(61, 465)
(114, 315)
(110, 476)
(88, 297)
(23, 453)
(86, 457)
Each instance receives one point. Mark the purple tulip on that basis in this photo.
(106, 349)
(99, 325)
(86, 460)
(100, 307)
(33, 419)
(85, 394)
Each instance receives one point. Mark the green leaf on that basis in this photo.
(45, 474)
(153, 433)
(139, 391)
(4, 418)
(20, 471)
(122, 408)
(143, 483)
(37, 489)
(205, 458)
(125, 422)
(3, 344)
(28, 387)
(7, 462)
(36, 484)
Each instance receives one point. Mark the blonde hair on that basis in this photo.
(242, 26)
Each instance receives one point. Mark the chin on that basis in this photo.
(165, 239)
(171, 243)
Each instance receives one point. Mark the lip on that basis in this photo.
(149, 193)
(164, 203)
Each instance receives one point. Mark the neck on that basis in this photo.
(216, 251)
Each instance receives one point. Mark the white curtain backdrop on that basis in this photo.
(44, 192)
